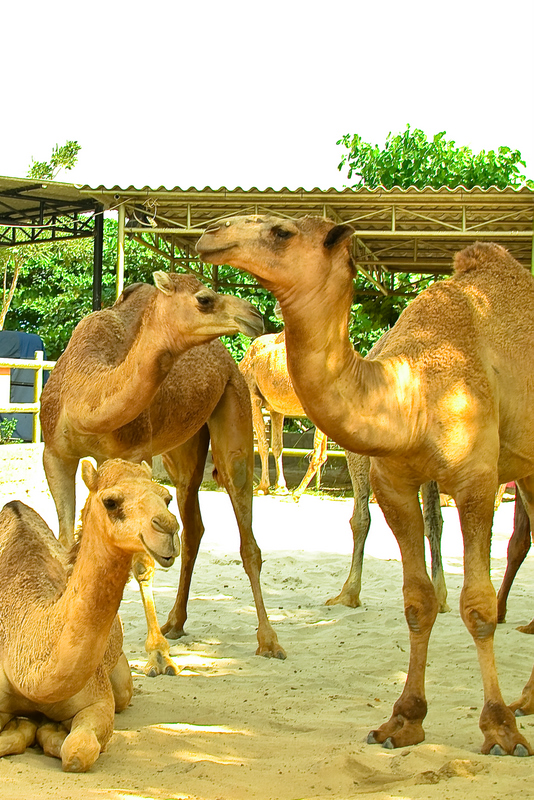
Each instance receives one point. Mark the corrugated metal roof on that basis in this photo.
(397, 230)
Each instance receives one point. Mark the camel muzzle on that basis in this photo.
(162, 542)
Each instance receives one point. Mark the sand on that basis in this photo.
(234, 726)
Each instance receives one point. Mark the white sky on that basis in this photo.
(232, 93)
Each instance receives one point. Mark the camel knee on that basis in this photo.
(420, 607)
(479, 615)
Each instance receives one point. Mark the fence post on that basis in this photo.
(37, 389)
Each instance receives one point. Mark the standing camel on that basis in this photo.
(60, 636)
(448, 399)
(125, 386)
(264, 368)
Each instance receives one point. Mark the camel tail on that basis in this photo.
(482, 255)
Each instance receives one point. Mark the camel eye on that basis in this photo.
(205, 301)
(110, 504)
(282, 233)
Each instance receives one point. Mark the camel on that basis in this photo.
(126, 387)
(63, 671)
(518, 547)
(447, 399)
(264, 368)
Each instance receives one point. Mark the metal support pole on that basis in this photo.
(37, 389)
(97, 258)
(120, 250)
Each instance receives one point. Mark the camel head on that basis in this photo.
(199, 314)
(130, 510)
(280, 253)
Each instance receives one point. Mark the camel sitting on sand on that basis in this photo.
(448, 399)
(125, 386)
(63, 672)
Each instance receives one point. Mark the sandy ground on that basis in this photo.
(233, 726)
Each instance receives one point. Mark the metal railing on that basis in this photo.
(6, 406)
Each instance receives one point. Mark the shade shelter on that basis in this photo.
(39, 211)
(396, 230)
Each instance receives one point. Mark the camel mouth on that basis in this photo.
(207, 253)
(252, 327)
(165, 561)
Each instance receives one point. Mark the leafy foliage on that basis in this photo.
(63, 157)
(411, 159)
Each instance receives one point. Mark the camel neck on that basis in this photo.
(79, 621)
(341, 392)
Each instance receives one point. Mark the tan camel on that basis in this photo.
(448, 399)
(126, 387)
(264, 368)
(63, 672)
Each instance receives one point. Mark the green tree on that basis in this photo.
(411, 159)
(63, 156)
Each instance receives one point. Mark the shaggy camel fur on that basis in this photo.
(448, 399)
(264, 368)
(62, 670)
(126, 387)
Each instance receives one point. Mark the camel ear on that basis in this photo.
(337, 235)
(148, 468)
(163, 282)
(89, 475)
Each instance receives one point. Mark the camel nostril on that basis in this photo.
(213, 228)
(169, 528)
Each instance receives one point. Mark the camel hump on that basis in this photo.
(482, 255)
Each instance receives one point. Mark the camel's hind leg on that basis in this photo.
(185, 465)
(525, 703)
(518, 547)
(231, 442)
(360, 523)
(433, 520)
(478, 608)
(61, 477)
(318, 458)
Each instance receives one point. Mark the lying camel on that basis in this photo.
(264, 368)
(125, 386)
(447, 400)
(63, 672)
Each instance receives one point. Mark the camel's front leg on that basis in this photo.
(318, 458)
(277, 447)
(61, 477)
(90, 731)
(478, 607)
(231, 441)
(159, 658)
(360, 523)
(263, 445)
(403, 513)
(17, 733)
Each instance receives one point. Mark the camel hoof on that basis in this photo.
(497, 750)
(520, 751)
(152, 673)
(371, 738)
(388, 744)
(519, 712)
